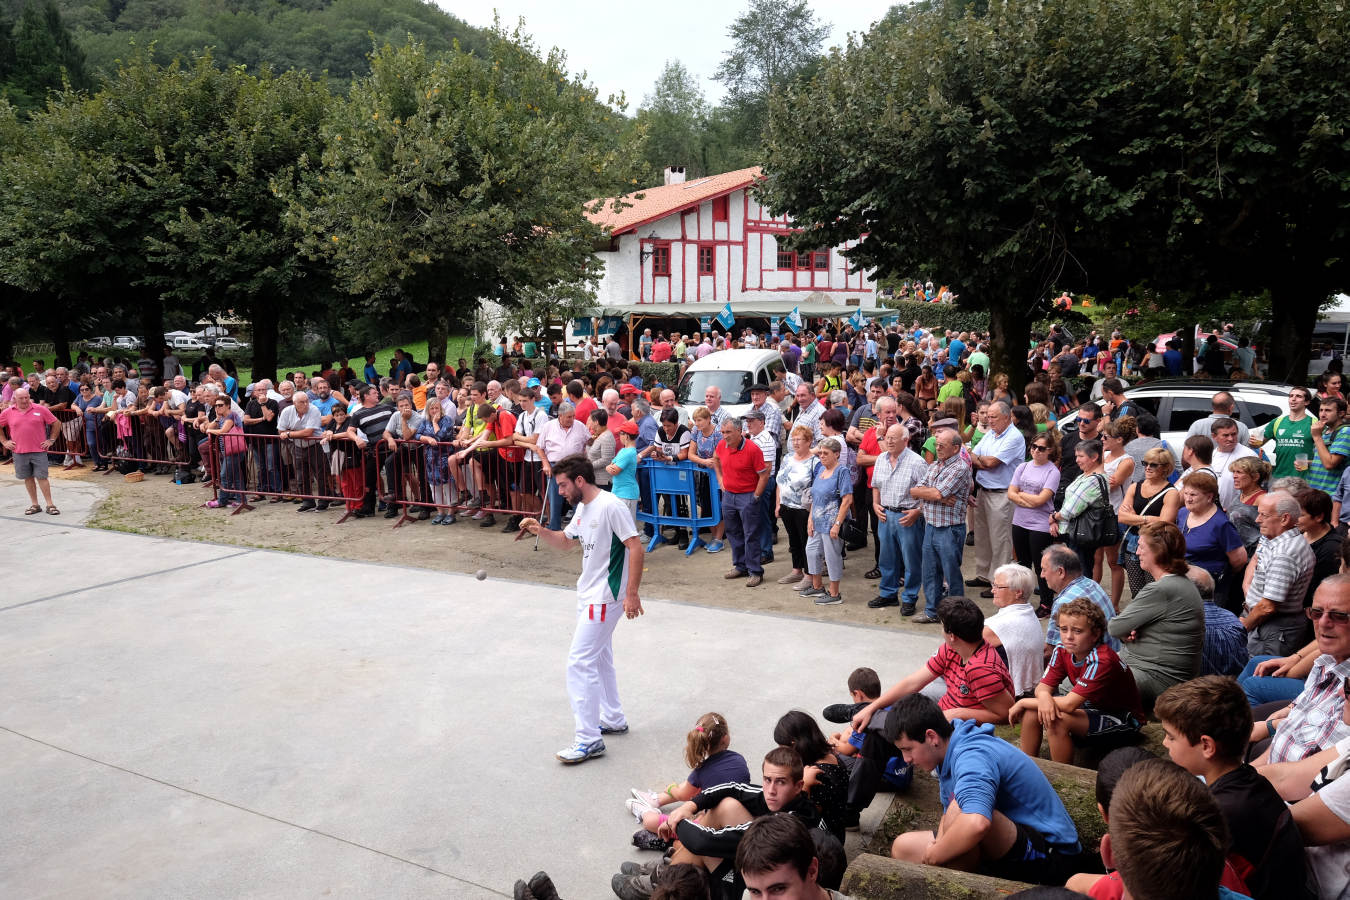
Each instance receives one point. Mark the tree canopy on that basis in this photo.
(1194, 146)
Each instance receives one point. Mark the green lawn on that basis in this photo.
(459, 345)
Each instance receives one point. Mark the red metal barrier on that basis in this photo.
(312, 471)
(438, 476)
(143, 437)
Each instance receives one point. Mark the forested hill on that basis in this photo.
(313, 35)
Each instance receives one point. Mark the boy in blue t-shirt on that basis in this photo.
(1002, 816)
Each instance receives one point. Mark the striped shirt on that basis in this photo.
(952, 479)
(1314, 721)
(973, 681)
(371, 421)
(1318, 475)
(893, 481)
(810, 417)
(1284, 568)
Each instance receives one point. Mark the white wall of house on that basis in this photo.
(667, 261)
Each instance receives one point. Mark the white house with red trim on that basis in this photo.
(708, 241)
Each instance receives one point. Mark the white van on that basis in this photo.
(734, 371)
(188, 343)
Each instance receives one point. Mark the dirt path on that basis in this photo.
(157, 506)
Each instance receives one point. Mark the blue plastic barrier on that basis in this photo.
(681, 483)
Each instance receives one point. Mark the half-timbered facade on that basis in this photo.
(709, 241)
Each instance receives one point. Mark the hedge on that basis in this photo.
(939, 315)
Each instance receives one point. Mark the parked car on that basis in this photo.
(734, 371)
(188, 344)
(126, 342)
(98, 342)
(228, 343)
(1180, 402)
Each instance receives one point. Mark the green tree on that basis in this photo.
(38, 55)
(1195, 148)
(675, 117)
(446, 181)
(773, 43)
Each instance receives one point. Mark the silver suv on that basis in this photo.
(1180, 402)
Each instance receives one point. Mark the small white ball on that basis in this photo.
(482, 574)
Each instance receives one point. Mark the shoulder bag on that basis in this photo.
(1097, 526)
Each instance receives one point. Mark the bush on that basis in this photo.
(939, 315)
(667, 373)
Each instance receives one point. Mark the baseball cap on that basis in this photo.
(755, 414)
(533, 382)
(629, 427)
(627, 390)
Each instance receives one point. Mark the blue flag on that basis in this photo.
(856, 320)
(726, 317)
(793, 320)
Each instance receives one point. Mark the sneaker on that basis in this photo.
(736, 573)
(647, 797)
(305, 507)
(614, 729)
(512, 524)
(841, 713)
(448, 520)
(488, 521)
(480, 515)
(632, 887)
(579, 753)
(214, 504)
(791, 579)
(541, 887)
(977, 582)
(436, 520)
(392, 511)
(715, 546)
(828, 599)
(803, 585)
(474, 503)
(646, 840)
(637, 808)
(813, 591)
(924, 619)
(628, 867)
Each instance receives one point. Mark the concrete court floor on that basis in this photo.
(197, 720)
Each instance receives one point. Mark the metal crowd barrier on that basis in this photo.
(420, 477)
(258, 466)
(687, 492)
(146, 440)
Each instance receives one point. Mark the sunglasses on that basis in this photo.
(1152, 465)
(1334, 615)
(1039, 447)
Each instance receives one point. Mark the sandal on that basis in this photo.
(32, 509)
(53, 511)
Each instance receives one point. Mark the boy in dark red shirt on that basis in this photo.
(1102, 698)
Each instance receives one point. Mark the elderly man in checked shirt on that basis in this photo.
(900, 527)
(1277, 581)
(1314, 721)
(942, 494)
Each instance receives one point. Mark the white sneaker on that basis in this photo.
(647, 798)
(579, 753)
(637, 808)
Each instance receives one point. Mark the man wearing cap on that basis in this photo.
(744, 477)
(754, 426)
(759, 399)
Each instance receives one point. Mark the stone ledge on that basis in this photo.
(872, 877)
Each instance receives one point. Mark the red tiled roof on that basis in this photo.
(658, 202)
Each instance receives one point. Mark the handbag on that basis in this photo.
(850, 533)
(1130, 545)
(1097, 526)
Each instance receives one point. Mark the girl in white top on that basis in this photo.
(1119, 470)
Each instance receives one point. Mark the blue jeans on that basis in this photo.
(942, 548)
(555, 505)
(269, 473)
(901, 557)
(231, 478)
(766, 521)
(91, 442)
(1267, 689)
(740, 513)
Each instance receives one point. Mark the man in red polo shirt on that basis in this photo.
(744, 476)
(27, 430)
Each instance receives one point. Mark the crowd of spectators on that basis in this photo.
(1132, 579)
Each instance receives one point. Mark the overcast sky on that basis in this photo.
(623, 47)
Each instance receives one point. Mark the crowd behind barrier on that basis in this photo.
(904, 439)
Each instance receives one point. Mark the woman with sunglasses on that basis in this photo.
(1119, 468)
(1152, 500)
(1032, 491)
(231, 451)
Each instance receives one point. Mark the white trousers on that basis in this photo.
(993, 532)
(592, 684)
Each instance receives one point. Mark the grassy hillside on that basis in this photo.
(317, 36)
(459, 345)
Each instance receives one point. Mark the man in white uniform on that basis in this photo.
(611, 557)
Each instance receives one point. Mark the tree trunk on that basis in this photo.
(11, 299)
(438, 336)
(1009, 326)
(60, 338)
(266, 324)
(1294, 315)
(152, 328)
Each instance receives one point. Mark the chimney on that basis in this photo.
(674, 174)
